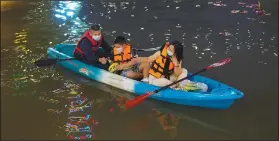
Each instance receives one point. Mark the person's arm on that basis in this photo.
(86, 47)
(177, 69)
(107, 48)
(151, 58)
(126, 65)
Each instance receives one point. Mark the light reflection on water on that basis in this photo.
(50, 23)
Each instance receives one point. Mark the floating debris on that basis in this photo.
(238, 11)
(198, 5)
(22, 78)
(235, 11)
(218, 4)
(250, 18)
(262, 22)
(195, 46)
(225, 33)
(241, 3)
(34, 80)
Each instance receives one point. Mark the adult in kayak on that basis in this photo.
(93, 49)
(123, 62)
(166, 67)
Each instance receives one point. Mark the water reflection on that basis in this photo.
(148, 25)
(66, 16)
(80, 121)
(168, 122)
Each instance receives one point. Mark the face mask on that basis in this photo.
(170, 53)
(120, 49)
(96, 38)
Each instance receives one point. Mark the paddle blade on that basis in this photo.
(133, 102)
(47, 62)
(218, 64)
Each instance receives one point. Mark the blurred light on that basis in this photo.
(60, 16)
(70, 13)
(66, 10)
(72, 5)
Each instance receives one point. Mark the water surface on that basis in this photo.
(33, 99)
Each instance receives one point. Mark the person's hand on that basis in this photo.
(138, 59)
(134, 61)
(103, 60)
(118, 67)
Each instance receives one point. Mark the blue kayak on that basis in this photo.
(218, 96)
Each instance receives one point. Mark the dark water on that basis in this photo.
(33, 99)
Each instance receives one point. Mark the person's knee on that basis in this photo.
(160, 82)
(134, 75)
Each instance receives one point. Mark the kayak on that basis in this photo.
(218, 96)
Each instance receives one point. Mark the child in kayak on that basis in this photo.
(166, 67)
(123, 62)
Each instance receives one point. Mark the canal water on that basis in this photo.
(38, 103)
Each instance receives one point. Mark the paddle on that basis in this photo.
(148, 49)
(48, 62)
(133, 102)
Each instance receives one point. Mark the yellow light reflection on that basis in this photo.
(21, 41)
(7, 5)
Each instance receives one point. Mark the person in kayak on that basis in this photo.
(123, 62)
(93, 49)
(166, 67)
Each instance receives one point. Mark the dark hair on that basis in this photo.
(178, 49)
(95, 27)
(120, 40)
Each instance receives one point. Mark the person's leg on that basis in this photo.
(134, 75)
(159, 81)
(181, 76)
(144, 68)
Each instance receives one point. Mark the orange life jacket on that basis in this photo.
(95, 44)
(157, 67)
(123, 57)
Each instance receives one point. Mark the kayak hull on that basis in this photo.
(219, 95)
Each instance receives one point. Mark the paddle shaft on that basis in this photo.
(167, 86)
(68, 59)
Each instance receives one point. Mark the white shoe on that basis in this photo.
(145, 80)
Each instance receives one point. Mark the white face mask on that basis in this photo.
(119, 49)
(170, 53)
(96, 38)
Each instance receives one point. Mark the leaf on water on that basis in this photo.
(21, 78)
